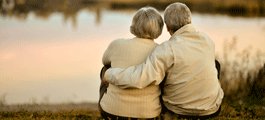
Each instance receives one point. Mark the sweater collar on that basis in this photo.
(185, 28)
(144, 40)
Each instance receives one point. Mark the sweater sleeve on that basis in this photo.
(106, 60)
(139, 76)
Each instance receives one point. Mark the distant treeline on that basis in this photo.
(231, 7)
(43, 8)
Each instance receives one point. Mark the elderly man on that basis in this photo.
(186, 64)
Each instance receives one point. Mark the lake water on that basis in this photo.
(57, 59)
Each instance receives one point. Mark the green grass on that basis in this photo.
(230, 110)
(82, 111)
(47, 115)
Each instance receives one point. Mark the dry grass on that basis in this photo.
(229, 111)
(243, 81)
(242, 72)
(82, 111)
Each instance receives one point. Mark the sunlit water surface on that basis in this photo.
(57, 60)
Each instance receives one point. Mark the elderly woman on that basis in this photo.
(147, 25)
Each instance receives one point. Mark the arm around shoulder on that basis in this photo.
(151, 71)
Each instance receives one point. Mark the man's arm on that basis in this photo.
(151, 71)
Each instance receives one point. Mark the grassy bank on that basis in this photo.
(82, 111)
(89, 112)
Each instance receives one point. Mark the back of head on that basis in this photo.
(176, 16)
(147, 23)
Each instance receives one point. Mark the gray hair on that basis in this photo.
(176, 16)
(147, 23)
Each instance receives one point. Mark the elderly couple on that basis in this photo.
(176, 79)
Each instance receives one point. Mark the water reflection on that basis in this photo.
(46, 58)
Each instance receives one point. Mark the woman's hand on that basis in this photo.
(102, 73)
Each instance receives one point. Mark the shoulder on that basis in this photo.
(203, 35)
(207, 38)
(117, 42)
(165, 44)
(164, 49)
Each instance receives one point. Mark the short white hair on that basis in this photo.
(147, 23)
(176, 16)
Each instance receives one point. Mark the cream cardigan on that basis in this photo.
(138, 103)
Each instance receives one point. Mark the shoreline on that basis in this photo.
(49, 107)
(69, 111)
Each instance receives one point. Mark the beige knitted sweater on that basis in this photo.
(138, 103)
